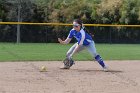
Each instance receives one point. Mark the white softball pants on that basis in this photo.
(91, 48)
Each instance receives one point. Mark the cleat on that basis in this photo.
(105, 69)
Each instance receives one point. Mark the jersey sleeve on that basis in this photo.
(82, 37)
(70, 34)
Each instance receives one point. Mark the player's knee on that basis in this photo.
(94, 55)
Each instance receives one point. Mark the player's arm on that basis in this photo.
(65, 41)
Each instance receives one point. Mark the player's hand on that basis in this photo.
(60, 40)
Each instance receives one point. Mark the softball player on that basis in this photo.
(84, 40)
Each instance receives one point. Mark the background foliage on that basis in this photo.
(64, 11)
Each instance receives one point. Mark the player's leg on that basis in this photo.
(70, 51)
(92, 49)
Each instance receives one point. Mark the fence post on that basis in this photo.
(19, 19)
(0, 20)
(110, 35)
(0, 25)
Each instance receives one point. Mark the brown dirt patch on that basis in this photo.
(83, 77)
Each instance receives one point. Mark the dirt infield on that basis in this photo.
(83, 77)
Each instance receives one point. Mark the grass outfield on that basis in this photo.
(55, 51)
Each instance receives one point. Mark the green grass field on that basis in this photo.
(55, 51)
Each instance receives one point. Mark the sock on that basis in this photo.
(100, 60)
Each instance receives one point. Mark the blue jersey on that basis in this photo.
(82, 37)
